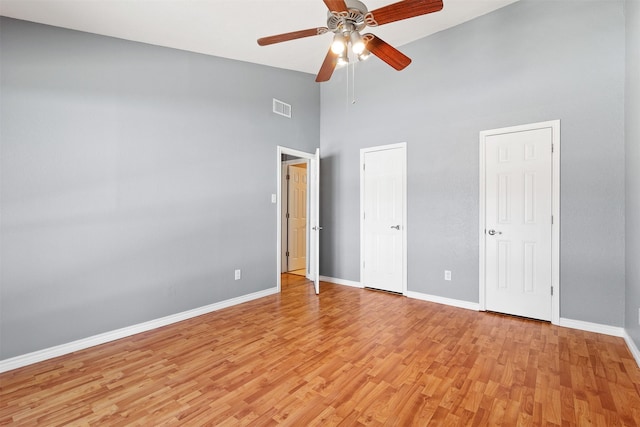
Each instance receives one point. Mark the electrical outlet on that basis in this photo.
(274, 198)
(447, 275)
(238, 274)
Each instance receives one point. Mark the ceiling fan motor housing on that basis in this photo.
(351, 20)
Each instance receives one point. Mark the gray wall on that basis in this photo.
(632, 135)
(135, 179)
(528, 62)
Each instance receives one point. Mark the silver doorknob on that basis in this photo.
(492, 232)
(397, 227)
(316, 228)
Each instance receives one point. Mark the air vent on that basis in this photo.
(281, 108)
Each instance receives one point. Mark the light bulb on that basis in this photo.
(342, 59)
(364, 55)
(338, 45)
(357, 44)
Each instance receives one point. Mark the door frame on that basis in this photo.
(554, 125)
(303, 156)
(363, 151)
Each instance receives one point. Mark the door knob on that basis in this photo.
(492, 232)
(316, 228)
(397, 227)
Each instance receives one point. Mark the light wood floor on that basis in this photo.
(349, 357)
(301, 272)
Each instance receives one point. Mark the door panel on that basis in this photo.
(297, 221)
(518, 210)
(383, 219)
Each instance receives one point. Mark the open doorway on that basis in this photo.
(295, 205)
(298, 207)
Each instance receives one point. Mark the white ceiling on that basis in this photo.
(230, 28)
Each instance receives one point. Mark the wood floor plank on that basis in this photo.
(346, 357)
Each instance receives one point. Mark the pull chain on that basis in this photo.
(351, 93)
(353, 80)
(347, 67)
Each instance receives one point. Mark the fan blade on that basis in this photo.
(329, 64)
(336, 5)
(403, 10)
(386, 52)
(292, 36)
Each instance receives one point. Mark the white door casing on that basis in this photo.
(313, 205)
(519, 220)
(383, 221)
(297, 217)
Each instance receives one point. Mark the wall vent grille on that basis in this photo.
(281, 108)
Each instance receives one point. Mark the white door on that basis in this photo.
(297, 217)
(383, 217)
(518, 222)
(314, 220)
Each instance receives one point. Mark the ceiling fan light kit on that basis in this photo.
(346, 18)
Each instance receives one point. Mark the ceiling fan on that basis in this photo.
(346, 18)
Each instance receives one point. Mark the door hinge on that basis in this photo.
(364, 215)
(363, 166)
(287, 215)
(552, 291)
(287, 253)
(288, 176)
(552, 148)
(551, 219)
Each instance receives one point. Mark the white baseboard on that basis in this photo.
(81, 344)
(592, 327)
(341, 281)
(446, 301)
(632, 348)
